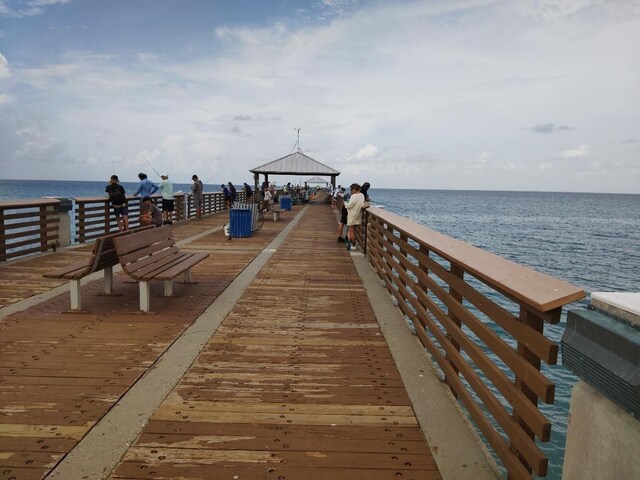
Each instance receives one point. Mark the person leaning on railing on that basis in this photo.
(118, 199)
(354, 213)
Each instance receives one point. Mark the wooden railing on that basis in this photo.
(481, 317)
(27, 227)
(94, 216)
(31, 226)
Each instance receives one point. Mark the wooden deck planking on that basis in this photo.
(297, 382)
(60, 373)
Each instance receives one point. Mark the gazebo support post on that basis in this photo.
(256, 192)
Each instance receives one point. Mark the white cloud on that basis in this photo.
(26, 8)
(148, 57)
(484, 158)
(578, 152)
(368, 151)
(4, 67)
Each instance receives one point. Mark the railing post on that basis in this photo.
(43, 228)
(107, 218)
(458, 272)
(3, 242)
(365, 226)
(81, 222)
(537, 324)
(64, 221)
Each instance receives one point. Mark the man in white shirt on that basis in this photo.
(166, 190)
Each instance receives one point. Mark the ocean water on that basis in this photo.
(589, 240)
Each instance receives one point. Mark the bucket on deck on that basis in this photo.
(226, 230)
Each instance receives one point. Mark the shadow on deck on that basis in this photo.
(296, 382)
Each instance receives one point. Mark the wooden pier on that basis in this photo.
(283, 361)
(297, 382)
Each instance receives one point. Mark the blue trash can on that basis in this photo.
(240, 222)
(285, 202)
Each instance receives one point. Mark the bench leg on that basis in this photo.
(108, 280)
(168, 288)
(145, 300)
(76, 295)
(187, 276)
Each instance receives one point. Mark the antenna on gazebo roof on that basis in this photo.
(298, 142)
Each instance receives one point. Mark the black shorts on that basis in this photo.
(120, 211)
(167, 205)
(343, 215)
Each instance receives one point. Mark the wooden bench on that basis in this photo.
(103, 257)
(276, 214)
(153, 255)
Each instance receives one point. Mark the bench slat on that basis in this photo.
(71, 272)
(182, 267)
(148, 271)
(133, 243)
(146, 255)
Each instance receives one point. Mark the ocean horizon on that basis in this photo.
(588, 239)
(215, 185)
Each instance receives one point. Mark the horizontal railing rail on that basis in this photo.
(32, 226)
(27, 227)
(94, 216)
(481, 317)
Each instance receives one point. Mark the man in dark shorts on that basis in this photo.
(150, 214)
(118, 200)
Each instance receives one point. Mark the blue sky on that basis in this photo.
(483, 94)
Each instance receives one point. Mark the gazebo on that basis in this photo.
(316, 181)
(294, 164)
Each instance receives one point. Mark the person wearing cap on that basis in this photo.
(196, 191)
(166, 190)
(118, 199)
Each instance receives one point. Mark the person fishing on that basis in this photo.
(248, 192)
(196, 191)
(146, 187)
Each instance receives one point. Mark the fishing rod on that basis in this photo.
(153, 168)
(211, 177)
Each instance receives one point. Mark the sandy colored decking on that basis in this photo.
(296, 382)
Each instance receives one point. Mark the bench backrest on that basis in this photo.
(144, 248)
(104, 251)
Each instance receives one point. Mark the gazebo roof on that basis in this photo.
(316, 180)
(295, 164)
